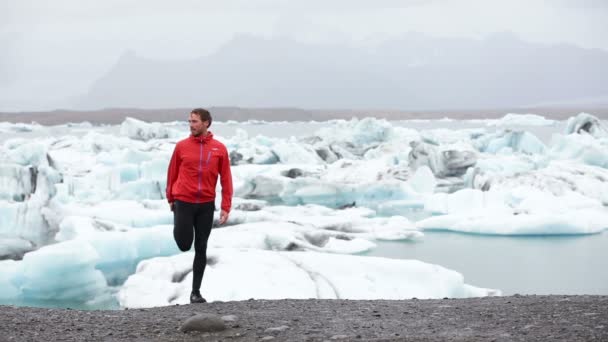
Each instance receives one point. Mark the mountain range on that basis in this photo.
(413, 72)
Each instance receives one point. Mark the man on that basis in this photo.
(191, 181)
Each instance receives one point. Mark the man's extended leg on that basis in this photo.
(202, 229)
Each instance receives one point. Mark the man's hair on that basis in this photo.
(203, 114)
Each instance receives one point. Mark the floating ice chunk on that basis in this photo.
(260, 181)
(581, 147)
(286, 236)
(142, 189)
(33, 219)
(510, 141)
(312, 224)
(140, 130)
(570, 223)
(562, 177)
(445, 136)
(13, 248)
(121, 251)
(264, 150)
(20, 127)
(158, 281)
(279, 275)
(17, 182)
(360, 132)
(339, 195)
(516, 210)
(257, 150)
(24, 152)
(119, 247)
(585, 123)
(360, 171)
(444, 160)
(490, 169)
(292, 152)
(512, 119)
(60, 272)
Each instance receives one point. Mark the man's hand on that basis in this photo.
(223, 217)
(172, 206)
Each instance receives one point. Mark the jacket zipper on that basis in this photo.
(200, 172)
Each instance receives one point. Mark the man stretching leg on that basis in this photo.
(195, 165)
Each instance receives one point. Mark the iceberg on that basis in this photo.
(55, 273)
(515, 211)
(279, 275)
(34, 218)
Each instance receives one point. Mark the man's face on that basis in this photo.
(197, 127)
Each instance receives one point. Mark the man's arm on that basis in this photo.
(226, 182)
(172, 173)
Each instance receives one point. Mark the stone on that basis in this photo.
(229, 318)
(203, 322)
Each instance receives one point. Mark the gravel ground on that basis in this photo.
(516, 318)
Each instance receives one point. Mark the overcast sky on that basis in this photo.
(55, 49)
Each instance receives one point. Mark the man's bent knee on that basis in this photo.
(183, 246)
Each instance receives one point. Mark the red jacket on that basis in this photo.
(194, 168)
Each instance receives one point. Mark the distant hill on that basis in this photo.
(415, 72)
(117, 115)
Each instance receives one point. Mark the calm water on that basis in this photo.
(524, 265)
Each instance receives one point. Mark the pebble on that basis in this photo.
(338, 337)
(277, 329)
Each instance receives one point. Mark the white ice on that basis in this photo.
(240, 274)
(327, 193)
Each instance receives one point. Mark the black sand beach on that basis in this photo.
(515, 318)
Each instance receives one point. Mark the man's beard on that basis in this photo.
(196, 133)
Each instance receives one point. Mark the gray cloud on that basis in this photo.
(584, 4)
(67, 44)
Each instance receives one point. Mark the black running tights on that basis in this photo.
(193, 222)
